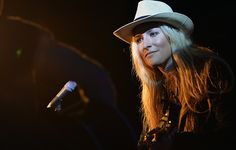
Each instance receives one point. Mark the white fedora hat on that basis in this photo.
(154, 11)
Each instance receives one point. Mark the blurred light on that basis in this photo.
(19, 52)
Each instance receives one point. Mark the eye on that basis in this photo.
(153, 34)
(138, 39)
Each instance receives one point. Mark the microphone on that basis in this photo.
(67, 88)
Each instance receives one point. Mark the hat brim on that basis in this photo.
(177, 20)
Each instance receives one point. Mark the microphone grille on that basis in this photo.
(70, 85)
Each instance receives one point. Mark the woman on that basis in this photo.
(183, 84)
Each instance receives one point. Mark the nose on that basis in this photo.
(146, 42)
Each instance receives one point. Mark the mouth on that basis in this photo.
(149, 53)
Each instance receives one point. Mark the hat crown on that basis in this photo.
(154, 11)
(151, 7)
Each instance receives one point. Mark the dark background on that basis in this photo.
(88, 26)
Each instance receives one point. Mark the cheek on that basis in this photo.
(166, 52)
(166, 48)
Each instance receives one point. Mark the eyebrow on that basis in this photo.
(137, 35)
(152, 29)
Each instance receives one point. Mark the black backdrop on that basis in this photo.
(88, 26)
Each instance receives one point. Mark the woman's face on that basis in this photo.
(153, 47)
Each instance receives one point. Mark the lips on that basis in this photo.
(149, 53)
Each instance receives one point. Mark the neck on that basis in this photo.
(168, 66)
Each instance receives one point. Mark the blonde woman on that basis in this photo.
(182, 83)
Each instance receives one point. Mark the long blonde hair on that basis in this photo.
(189, 83)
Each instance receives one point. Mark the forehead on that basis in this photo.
(141, 28)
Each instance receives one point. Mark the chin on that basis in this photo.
(155, 63)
